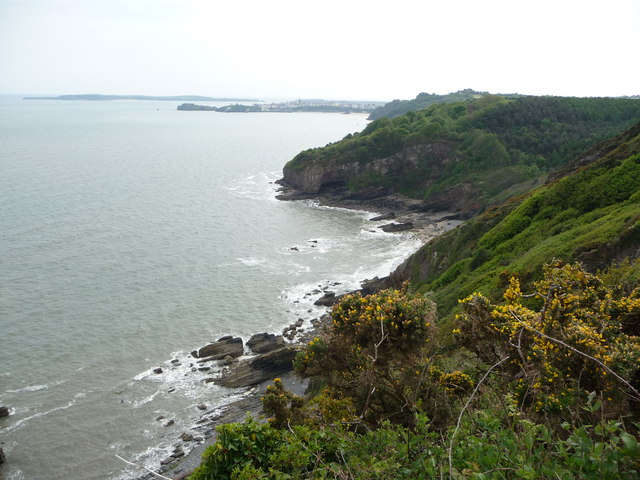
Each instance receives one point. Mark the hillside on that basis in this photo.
(588, 212)
(461, 157)
(529, 368)
(423, 100)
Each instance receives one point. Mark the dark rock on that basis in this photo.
(265, 342)
(224, 346)
(175, 360)
(201, 406)
(299, 322)
(294, 249)
(4, 411)
(204, 369)
(178, 454)
(2, 457)
(167, 461)
(161, 417)
(385, 216)
(327, 300)
(186, 437)
(169, 423)
(157, 370)
(373, 285)
(263, 367)
(396, 227)
(228, 360)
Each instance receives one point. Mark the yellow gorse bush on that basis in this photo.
(569, 309)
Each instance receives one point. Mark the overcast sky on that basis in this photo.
(346, 49)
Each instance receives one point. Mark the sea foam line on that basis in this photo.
(23, 421)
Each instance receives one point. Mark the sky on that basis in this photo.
(330, 49)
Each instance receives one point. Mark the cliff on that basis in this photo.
(461, 157)
(588, 212)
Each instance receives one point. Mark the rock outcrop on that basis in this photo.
(265, 342)
(316, 177)
(231, 346)
(258, 369)
(396, 227)
(330, 177)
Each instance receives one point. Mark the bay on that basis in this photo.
(132, 233)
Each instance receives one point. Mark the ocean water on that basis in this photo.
(131, 234)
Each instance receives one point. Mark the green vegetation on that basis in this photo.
(544, 392)
(423, 100)
(530, 370)
(592, 216)
(486, 149)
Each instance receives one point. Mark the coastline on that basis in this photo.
(423, 223)
(390, 210)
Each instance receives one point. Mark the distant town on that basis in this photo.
(339, 106)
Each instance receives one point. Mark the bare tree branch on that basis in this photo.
(143, 468)
(636, 394)
(455, 432)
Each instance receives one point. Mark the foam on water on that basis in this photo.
(130, 236)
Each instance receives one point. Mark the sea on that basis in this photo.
(132, 233)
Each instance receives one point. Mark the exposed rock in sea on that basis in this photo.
(157, 370)
(228, 360)
(373, 285)
(265, 342)
(4, 411)
(258, 369)
(227, 345)
(397, 227)
(384, 216)
(327, 300)
(2, 457)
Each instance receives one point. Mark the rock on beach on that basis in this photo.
(227, 345)
(258, 369)
(265, 342)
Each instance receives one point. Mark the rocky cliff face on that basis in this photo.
(333, 176)
(319, 176)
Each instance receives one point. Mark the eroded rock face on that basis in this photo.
(328, 299)
(263, 367)
(315, 177)
(397, 227)
(228, 345)
(265, 342)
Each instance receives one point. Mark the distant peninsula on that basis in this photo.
(324, 106)
(177, 98)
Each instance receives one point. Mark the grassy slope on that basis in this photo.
(591, 215)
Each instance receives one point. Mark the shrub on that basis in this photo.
(563, 341)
